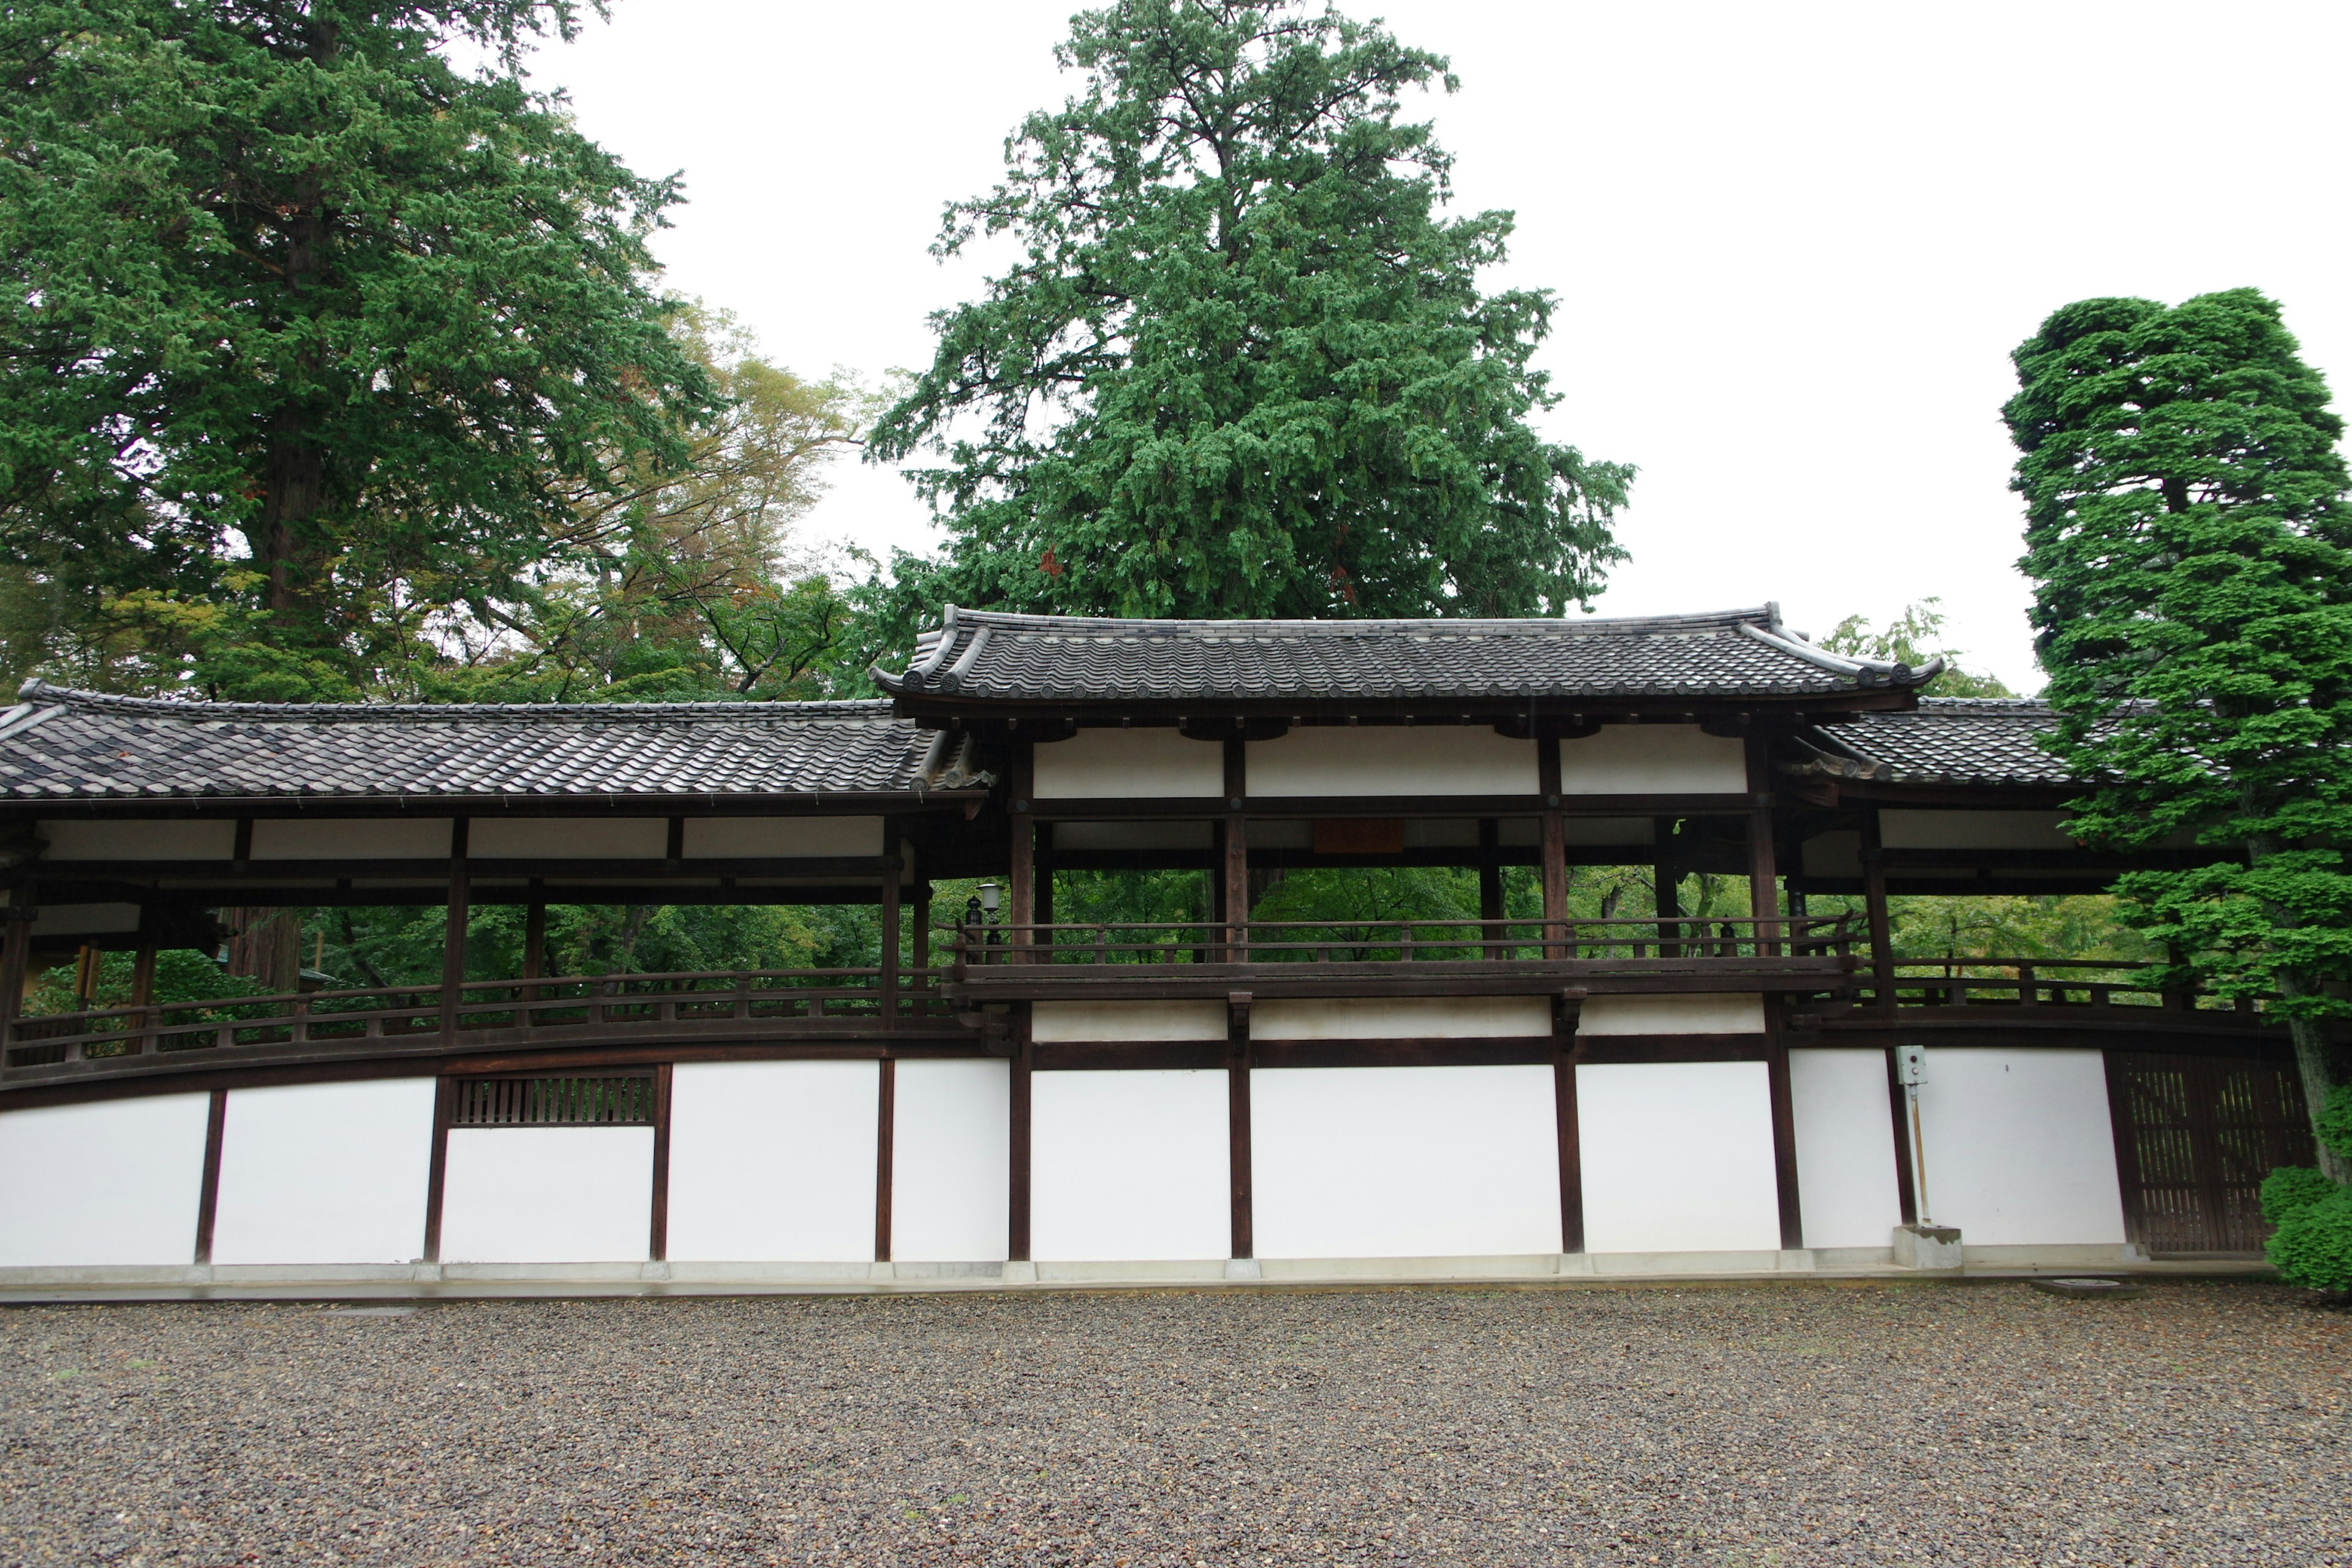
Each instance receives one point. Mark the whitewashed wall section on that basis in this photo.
(1128, 764)
(950, 1162)
(1404, 1161)
(548, 1194)
(2019, 1147)
(1129, 1166)
(774, 1161)
(1400, 1017)
(1653, 759)
(325, 1172)
(1677, 1157)
(1390, 759)
(113, 1183)
(1845, 1147)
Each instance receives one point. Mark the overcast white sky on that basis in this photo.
(1793, 243)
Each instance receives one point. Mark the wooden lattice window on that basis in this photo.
(602, 1100)
(2195, 1136)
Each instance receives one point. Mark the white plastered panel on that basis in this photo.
(110, 1183)
(782, 837)
(1387, 760)
(325, 1172)
(568, 838)
(109, 839)
(1845, 1147)
(1973, 830)
(1404, 1161)
(548, 1194)
(2019, 1148)
(1677, 1157)
(1654, 759)
(1706, 1012)
(950, 1162)
(1059, 1021)
(351, 838)
(1129, 765)
(1129, 1166)
(773, 1161)
(1399, 1018)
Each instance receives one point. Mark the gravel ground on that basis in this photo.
(1873, 1424)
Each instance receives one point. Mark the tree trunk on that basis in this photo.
(265, 944)
(2314, 1056)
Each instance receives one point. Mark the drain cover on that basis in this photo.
(2084, 1290)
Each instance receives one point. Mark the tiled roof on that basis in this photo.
(1955, 741)
(78, 745)
(976, 657)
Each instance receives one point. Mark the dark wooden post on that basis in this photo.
(1555, 851)
(535, 953)
(208, 1185)
(143, 990)
(1873, 900)
(657, 1240)
(1237, 1122)
(1016, 1227)
(1490, 887)
(437, 1169)
(885, 1149)
(1021, 903)
(1763, 867)
(16, 955)
(1564, 1054)
(1236, 856)
(1906, 1196)
(1784, 1134)
(452, 938)
(891, 914)
(1666, 880)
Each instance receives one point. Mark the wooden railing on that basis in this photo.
(2077, 982)
(1400, 941)
(589, 1003)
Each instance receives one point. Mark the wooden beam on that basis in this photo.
(1016, 1227)
(1763, 866)
(1555, 850)
(1907, 1195)
(886, 1144)
(16, 955)
(437, 1169)
(1237, 1123)
(1784, 1137)
(1021, 900)
(1490, 881)
(208, 1187)
(1880, 920)
(1565, 1055)
(453, 935)
(1235, 870)
(658, 1241)
(891, 917)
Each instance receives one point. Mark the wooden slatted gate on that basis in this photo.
(2194, 1138)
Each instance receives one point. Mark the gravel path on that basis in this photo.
(1745, 1425)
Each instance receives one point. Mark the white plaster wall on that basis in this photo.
(1053, 1022)
(782, 837)
(1393, 759)
(360, 838)
(548, 1194)
(1654, 759)
(1399, 1018)
(1677, 1157)
(113, 1182)
(325, 1172)
(1973, 830)
(113, 840)
(1706, 1012)
(1129, 765)
(1129, 1166)
(773, 1161)
(1845, 1147)
(2020, 1149)
(950, 1162)
(568, 838)
(1404, 1161)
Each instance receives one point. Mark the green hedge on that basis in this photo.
(2291, 1189)
(2313, 1245)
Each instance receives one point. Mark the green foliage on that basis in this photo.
(1915, 637)
(2313, 1245)
(1242, 366)
(2188, 534)
(2334, 1123)
(180, 976)
(311, 326)
(2291, 1189)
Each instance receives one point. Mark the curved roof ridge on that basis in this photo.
(1717, 620)
(39, 692)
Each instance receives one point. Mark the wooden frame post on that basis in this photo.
(437, 1169)
(1880, 921)
(886, 1151)
(534, 949)
(1021, 900)
(1236, 855)
(1907, 1195)
(1784, 1130)
(1490, 887)
(452, 938)
(1665, 884)
(208, 1187)
(1763, 863)
(657, 1237)
(1555, 851)
(891, 920)
(918, 960)
(1016, 1227)
(1237, 1123)
(15, 954)
(1565, 1053)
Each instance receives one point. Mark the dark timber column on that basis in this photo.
(1236, 856)
(534, 948)
(1564, 1054)
(885, 1148)
(658, 1239)
(15, 951)
(142, 988)
(1784, 1130)
(208, 1185)
(453, 940)
(1763, 868)
(1882, 923)
(1666, 879)
(1555, 851)
(1021, 905)
(1906, 1197)
(1237, 1123)
(890, 918)
(1490, 886)
(1016, 1228)
(921, 957)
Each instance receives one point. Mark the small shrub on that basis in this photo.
(2313, 1246)
(2293, 1188)
(2334, 1122)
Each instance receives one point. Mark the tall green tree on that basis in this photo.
(300, 317)
(1243, 366)
(2191, 542)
